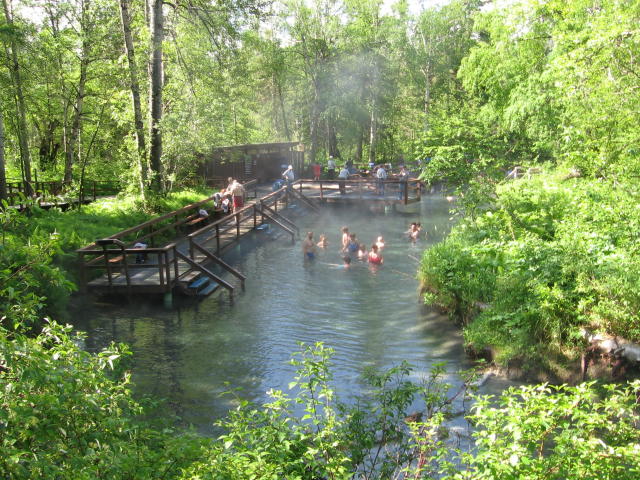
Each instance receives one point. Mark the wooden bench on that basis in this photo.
(195, 220)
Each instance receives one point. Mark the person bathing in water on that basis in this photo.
(346, 262)
(374, 257)
(352, 245)
(414, 231)
(362, 252)
(380, 243)
(345, 238)
(323, 243)
(309, 247)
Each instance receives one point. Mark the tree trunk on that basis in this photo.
(156, 81)
(358, 155)
(25, 157)
(77, 118)
(373, 135)
(49, 147)
(135, 93)
(315, 121)
(3, 177)
(427, 95)
(334, 151)
(284, 113)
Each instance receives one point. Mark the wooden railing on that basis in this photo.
(113, 256)
(212, 233)
(406, 192)
(59, 192)
(115, 252)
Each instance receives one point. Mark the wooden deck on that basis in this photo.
(190, 263)
(362, 189)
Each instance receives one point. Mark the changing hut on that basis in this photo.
(261, 161)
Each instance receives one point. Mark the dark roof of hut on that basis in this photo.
(257, 147)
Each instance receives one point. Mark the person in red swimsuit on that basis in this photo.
(316, 171)
(374, 257)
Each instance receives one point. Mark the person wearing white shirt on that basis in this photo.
(331, 167)
(381, 175)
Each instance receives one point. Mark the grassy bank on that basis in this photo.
(37, 249)
(547, 257)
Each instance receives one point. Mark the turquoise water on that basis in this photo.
(370, 316)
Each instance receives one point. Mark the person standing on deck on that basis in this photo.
(381, 176)
(404, 179)
(309, 247)
(317, 169)
(288, 175)
(237, 192)
(342, 180)
(331, 167)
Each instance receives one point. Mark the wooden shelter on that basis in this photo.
(263, 161)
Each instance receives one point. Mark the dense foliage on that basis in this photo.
(69, 414)
(548, 257)
(350, 78)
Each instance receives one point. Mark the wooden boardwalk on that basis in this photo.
(365, 189)
(189, 262)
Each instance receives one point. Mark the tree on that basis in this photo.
(156, 80)
(16, 77)
(3, 176)
(135, 93)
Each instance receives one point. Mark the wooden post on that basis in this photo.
(237, 215)
(161, 269)
(176, 268)
(217, 239)
(107, 265)
(321, 197)
(83, 273)
(406, 192)
(168, 267)
(255, 220)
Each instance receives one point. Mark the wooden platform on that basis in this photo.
(183, 263)
(361, 190)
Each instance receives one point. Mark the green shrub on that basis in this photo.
(547, 258)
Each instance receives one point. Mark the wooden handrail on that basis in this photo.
(219, 261)
(204, 270)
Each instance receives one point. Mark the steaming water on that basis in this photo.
(371, 317)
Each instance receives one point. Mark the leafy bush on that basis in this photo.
(69, 414)
(544, 432)
(547, 258)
